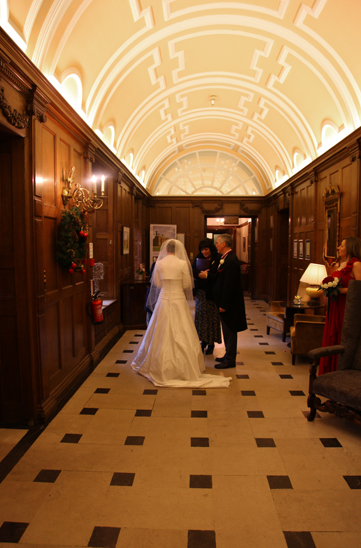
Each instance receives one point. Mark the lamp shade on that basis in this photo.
(314, 274)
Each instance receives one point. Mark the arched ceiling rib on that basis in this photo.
(283, 75)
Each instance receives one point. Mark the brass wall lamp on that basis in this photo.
(80, 196)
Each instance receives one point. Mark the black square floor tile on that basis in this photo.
(121, 361)
(330, 442)
(199, 393)
(102, 391)
(297, 393)
(12, 531)
(112, 374)
(134, 342)
(253, 329)
(251, 324)
(258, 337)
(279, 482)
(138, 335)
(104, 537)
(199, 442)
(122, 479)
(265, 442)
(88, 411)
(242, 376)
(299, 539)
(255, 414)
(248, 392)
(354, 482)
(286, 377)
(150, 392)
(201, 539)
(263, 344)
(47, 476)
(143, 413)
(200, 482)
(269, 352)
(199, 414)
(71, 438)
(277, 363)
(128, 351)
(134, 440)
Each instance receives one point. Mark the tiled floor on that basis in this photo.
(127, 465)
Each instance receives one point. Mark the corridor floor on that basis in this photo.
(124, 464)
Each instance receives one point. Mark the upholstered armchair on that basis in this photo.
(341, 388)
(306, 334)
(276, 319)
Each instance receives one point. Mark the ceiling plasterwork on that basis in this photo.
(264, 86)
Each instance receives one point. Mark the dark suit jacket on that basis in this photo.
(228, 293)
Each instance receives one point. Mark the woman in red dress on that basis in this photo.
(349, 268)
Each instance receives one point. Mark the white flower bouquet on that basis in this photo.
(331, 287)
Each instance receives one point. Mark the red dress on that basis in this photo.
(334, 319)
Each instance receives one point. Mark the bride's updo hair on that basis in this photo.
(171, 246)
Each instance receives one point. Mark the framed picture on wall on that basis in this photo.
(295, 249)
(126, 240)
(308, 250)
(159, 234)
(300, 249)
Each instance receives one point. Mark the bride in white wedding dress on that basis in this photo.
(170, 353)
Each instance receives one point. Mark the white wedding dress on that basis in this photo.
(170, 353)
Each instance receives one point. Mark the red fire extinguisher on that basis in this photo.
(96, 313)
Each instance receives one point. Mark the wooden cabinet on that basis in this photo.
(133, 301)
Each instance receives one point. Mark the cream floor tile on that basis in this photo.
(152, 538)
(19, 501)
(285, 428)
(109, 401)
(244, 535)
(298, 511)
(282, 407)
(308, 456)
(169, 428)
(246, 505)
(318, 479)
(108, 426)
(11, 545)
(226, 433)
(159, 508)
(70, 424)
(248, 461)
(71, 509)
(78, 457)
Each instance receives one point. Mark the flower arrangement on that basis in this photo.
(141, 271)
(331, 287)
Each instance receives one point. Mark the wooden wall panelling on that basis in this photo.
(61, 308)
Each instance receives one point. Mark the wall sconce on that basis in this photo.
(80, 196)
(213, 99)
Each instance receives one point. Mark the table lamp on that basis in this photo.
(313, 275)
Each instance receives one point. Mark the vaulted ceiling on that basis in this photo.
(202, 97)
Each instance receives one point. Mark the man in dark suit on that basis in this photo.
(228, 295)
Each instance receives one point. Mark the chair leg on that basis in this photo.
(312, 413)
(293, 359)
(283, 337)
(268, 328)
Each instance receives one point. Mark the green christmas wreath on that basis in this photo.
(71, 246)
